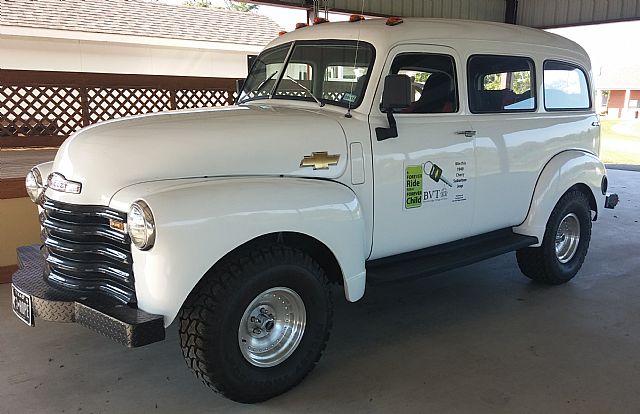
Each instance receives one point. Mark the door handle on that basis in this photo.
(468, 134)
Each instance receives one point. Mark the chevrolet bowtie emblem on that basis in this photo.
(319, 160)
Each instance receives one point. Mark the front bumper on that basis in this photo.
(126, 325)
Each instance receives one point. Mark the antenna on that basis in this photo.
(355, 64)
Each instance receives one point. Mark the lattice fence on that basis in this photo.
(44, 108)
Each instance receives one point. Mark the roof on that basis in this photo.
(140, 18)
(378, 33)
(618, 77)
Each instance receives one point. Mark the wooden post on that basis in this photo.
(84, 102)
(172, 99)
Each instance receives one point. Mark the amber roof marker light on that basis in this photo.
(320, 20)
(394, 21)
(356, 18)
(301, 25)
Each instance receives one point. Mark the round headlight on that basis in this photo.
(33, 182)
(141, 226)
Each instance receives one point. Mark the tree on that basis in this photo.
(198, 3)
(238, 6)
(229, 5)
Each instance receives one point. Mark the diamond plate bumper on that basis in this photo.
(126, 325)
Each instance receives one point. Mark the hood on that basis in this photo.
(252, 140)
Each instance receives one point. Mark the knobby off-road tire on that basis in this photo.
(211, 333)
(551, 265)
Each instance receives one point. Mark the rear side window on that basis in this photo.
(501, 84)
(565, 87)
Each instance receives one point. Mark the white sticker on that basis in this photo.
(429, 182)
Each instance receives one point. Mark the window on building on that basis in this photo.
(565, 87)
(433, 80)
(501, 84)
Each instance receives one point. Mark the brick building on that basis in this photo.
(623, 86)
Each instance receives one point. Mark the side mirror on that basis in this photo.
(396, 95)
(397, 92)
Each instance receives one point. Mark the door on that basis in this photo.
(503, 100)
(424, 177)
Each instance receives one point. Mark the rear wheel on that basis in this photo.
(565, 243)
(257, 325)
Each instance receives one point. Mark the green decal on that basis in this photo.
(413, 194)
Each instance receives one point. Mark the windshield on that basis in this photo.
(331, 71)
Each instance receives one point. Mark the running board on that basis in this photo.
(437, 259)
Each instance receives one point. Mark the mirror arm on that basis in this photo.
(391, 132)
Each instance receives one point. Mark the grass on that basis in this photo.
(620, 142)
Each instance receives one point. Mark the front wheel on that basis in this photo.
(565, 243)
(257, 325)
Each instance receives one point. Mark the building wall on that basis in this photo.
(32, 53)
(547, 13)
(616, 104)
(19, 226)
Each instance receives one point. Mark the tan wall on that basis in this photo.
(18, 227)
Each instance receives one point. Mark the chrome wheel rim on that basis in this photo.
(567, 238)
(272, 326)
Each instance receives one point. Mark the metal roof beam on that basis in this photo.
(535, 13)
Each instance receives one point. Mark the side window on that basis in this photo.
(261, 80)
(565, 87)
(434, 84)
(501, 84)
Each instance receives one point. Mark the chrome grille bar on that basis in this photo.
(82, 252)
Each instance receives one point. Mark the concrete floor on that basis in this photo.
(481, 339)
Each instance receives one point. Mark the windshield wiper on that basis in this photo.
(307, 90)
(264, 82)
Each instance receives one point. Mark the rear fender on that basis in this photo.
(563, 171)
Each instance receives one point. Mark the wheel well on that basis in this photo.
(583, 188)
(313, 247)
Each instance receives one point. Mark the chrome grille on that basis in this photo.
(84, 253)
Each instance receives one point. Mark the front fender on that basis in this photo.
(199, 221)
(562, 172)
(45, 169)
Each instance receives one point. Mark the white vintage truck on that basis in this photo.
(358, 152)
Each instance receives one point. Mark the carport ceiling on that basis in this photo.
(535, 13)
